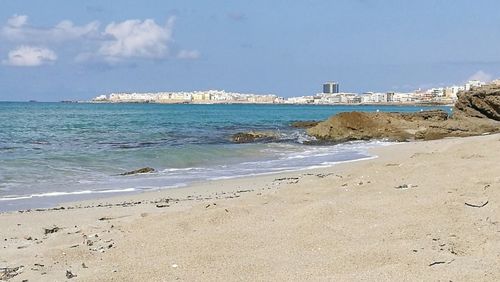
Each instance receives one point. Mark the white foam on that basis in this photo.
(284, 170)
(58, 194)
(181, 169)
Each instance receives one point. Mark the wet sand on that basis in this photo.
(420, 211)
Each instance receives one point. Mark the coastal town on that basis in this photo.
(330, 95)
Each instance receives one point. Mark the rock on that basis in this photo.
(254, 136)
(304, 124)
(361, 126)
(431, 115)
(139, 171)
(482, 102)
(476, 112)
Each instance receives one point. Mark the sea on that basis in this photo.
(56, 152)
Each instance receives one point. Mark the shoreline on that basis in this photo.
(68, 198)
(401, 216)
(55, 198)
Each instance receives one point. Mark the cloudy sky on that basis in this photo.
(53, 50)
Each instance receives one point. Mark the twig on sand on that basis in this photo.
(477, 206)
(437, 262)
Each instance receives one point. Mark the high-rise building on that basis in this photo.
(330, 87)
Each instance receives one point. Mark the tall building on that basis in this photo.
(330, 87)
(389, 97)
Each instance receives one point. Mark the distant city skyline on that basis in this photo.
(330, 96)
(60, 50)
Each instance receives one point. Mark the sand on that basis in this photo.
(400, 217)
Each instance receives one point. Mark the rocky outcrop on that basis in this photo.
(483, 102)
(364, 126)
(139, 171)
(304, 124)
(254, 136)
(432, 115)
(476, 112)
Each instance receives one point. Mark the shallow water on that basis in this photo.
(56, 149)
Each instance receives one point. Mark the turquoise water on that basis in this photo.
(48, 150)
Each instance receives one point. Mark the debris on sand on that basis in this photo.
(70, 274)
(405, 186)
(477, 206)
(287, 180)
(437, 262)
(7, 273)
(51, 230)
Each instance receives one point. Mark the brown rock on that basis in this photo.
(431, 115)
(304, 124)
(483, 102)
(363, 126)
(476, 112)
(139, 171)
(254, 136)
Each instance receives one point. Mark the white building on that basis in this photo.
(473, 83)
(404, 97)
(100, 98)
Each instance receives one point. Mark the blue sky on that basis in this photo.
(55, 50)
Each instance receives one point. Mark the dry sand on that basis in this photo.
(345, 223)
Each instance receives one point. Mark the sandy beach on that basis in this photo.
(423, 211)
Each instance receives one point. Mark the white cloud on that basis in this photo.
(136, 38)
(17, 21)
(481, 76)
(115, 43)
(188, 54)
(18, 30)
(66, 30)
(30, 56)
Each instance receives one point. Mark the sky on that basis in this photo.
(75, 50)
